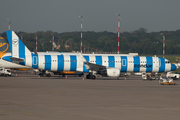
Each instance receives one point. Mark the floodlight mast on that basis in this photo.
(81, 32)
(36, 42)
(53, 42)
(9, 24)
(118, 30)
(163, 44)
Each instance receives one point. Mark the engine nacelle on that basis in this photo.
(113, 72)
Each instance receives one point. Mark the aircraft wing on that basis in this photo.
(92, 66)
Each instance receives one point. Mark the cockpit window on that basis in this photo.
(167, 62)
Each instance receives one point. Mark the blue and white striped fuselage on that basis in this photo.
(73, 62)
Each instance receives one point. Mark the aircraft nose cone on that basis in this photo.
(173, 67)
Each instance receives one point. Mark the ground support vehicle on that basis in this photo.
(5, 72)
(166, 81)
(174, 76)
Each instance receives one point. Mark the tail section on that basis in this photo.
(20, 53)
(18, 49)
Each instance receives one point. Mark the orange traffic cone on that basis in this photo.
(83, 79)
(66, 76)
(16, 75)
(125, 78)
(39, 76)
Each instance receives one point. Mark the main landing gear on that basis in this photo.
(90, 76)
(44, 74)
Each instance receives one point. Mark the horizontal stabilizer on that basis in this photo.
(16, 60)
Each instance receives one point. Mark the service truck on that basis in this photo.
(5, 72)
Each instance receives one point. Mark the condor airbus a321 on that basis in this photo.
(104, 64)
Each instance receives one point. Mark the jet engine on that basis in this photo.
(113, 72)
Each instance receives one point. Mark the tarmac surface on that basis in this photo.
(27, 97)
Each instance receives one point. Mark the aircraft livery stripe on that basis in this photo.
(149, 64)
(35, 61)
(9, 35)
(136, 64)
(124, 64)
(22, 52)
(99, 60)
(111, 61)
(7, 58)
(47, 62)
(161, 64)
(60, 59)
(84, 67)
(73, 62)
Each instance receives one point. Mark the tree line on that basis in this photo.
(138, 41)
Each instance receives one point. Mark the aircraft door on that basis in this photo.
(34, 60)
(123, 62)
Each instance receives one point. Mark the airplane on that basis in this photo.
(103, 64)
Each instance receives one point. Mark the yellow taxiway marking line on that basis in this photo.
(29, 114)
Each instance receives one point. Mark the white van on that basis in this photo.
(5, 72)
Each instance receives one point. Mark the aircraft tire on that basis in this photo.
(87, 76)
(93, 77)
(48, 75)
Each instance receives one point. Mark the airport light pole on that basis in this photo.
(163, 44)
(36, 42)
(9, 24)
(118, 30)
(53, 42)
(81, 32)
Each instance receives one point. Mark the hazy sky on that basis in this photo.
(98, 15)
